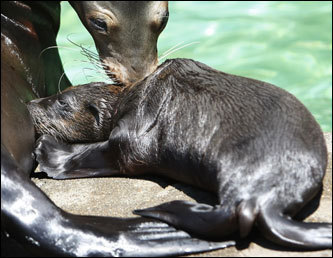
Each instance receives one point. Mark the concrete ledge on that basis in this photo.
(118, 196)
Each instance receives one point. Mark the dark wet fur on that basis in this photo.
(253, 144)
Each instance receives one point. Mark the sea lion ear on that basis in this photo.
(94, 110)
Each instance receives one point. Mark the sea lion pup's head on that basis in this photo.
(79, 114)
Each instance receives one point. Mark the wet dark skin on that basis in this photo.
(31, 224)
(251, 143)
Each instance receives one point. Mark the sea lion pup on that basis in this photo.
(253, 144)
(83, 114)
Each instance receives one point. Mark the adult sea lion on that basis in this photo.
(31, 224)
(253, 144)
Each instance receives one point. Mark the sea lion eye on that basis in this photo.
(63, 104)
(160, 21)
(94, 110)
(98, 24)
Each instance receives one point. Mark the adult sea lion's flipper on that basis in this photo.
(44, 229)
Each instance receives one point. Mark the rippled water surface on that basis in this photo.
(288, 44)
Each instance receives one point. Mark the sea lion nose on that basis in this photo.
(43, 102)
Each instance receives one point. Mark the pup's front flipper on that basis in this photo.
(61, 160)
(200, 219)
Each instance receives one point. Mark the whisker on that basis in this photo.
(86, 75)
(85, 51)
(99, 74)
(165, 52)
(96, 68)
(186, 45)
(91, 55)
(60, 81)
(51, 47)
(99, 68)
(97, 65)
(75, 44)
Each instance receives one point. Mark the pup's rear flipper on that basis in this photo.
(200, 219)
(285, 231)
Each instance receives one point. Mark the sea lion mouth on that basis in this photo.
(116, 80)
(124, 72)
(113, 75)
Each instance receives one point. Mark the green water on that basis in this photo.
(288, 44)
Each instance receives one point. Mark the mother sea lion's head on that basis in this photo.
(125, 34)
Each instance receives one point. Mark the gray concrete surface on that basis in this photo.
(119, 196)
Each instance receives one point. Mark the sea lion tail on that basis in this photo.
(284, 231)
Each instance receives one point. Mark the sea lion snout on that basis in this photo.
(42, 102)
(125, 71)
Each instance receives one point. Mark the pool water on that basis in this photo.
(288, 44)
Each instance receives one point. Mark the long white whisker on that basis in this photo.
(165, 52)
(186, 45)
(60, 81)
(70, 48)
(85, 75)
